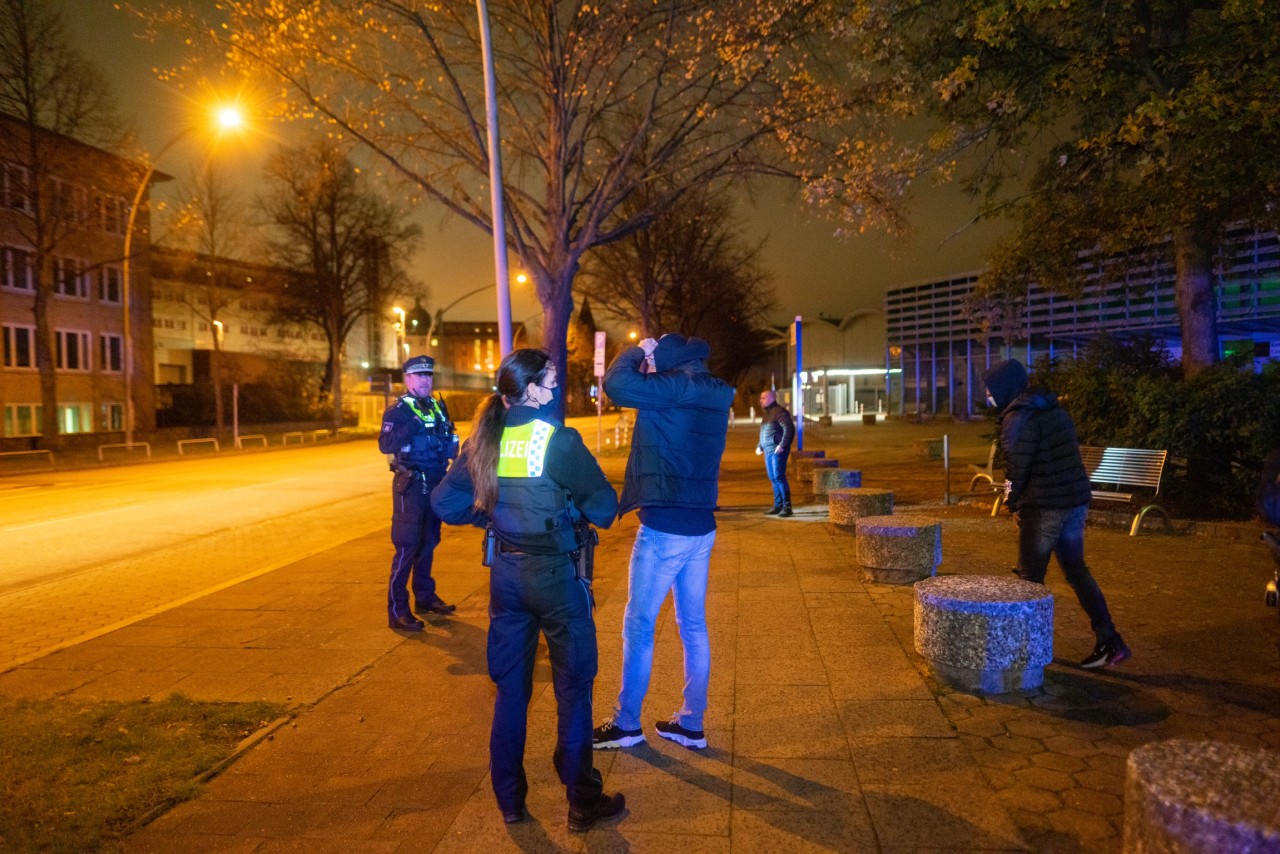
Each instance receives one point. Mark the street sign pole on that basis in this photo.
(599, 372)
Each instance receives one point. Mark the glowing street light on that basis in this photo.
(227, 118)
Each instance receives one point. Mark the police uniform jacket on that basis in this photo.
(682, 421)
(547, 480)
(419, 435)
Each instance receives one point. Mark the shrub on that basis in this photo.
(1217, 427)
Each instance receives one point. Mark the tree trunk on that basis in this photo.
(1196, 298)
(335, 369)
(556, 312)
(215, 368)
(50, 438)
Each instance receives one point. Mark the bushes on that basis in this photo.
(1218, 427)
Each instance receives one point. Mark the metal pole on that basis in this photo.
(946, 468)
(798, 396)
(503, 286)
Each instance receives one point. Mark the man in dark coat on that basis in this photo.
(1049, 493)
(776, 432)
(672, 478)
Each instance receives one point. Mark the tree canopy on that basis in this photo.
(1134, 123)
(597, 101)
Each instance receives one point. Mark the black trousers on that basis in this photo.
(415, 532)
(528, 594)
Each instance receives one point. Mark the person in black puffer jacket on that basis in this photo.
(776, 432)
(1048, 493)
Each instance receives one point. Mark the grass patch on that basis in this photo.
(76, 776)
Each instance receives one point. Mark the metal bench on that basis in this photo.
(986, 472)
(1116, 474)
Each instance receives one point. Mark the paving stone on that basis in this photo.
(1043, 778)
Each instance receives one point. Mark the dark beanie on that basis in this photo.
(674, 350)
(1005, 381)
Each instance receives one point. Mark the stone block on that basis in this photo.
(1201, 796)
(869, 419)
(808, 455)
(985, 633)
(804, 469)
(847, 505)
(827, 479)
(898, 549)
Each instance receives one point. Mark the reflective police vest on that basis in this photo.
(431, 448)
(533, 512)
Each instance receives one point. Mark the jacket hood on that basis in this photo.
(674, 350)
(1005, 381)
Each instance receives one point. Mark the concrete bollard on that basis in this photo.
(847, 505)
(985, 633)
(1201, 796)
(827, 479)
(898, 549)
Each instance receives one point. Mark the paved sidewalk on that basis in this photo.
(826, 731)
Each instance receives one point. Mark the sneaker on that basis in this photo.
(609, 735)
(606, 807)
(694, 739)
(1107, 654)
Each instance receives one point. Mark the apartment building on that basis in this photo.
(66, 204)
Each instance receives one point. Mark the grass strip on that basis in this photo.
(76, 776)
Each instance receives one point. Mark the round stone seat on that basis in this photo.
(847, 505)
(898, 549)
(808, 455)
(1201, 796)
(985, 633)
(804, 470)
(827, 479)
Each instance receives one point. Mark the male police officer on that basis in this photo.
(417, 432)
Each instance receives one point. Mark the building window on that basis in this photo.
(112, 416)
(22, 419)
(15, 269)
(69, 279)
(172, 374)
(111, 353)
(70, 202)
(114, 214)
(19, 346)
(111, 285)
(15, 187)
(75, 418)
(73, 351)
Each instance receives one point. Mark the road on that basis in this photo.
(85, 552)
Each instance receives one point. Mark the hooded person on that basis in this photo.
(1048, 491)
(672, 481)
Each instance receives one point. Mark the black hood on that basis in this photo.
(1005, 381)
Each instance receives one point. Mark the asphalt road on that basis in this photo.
(85, 552)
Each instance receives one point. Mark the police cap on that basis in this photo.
(420, 365)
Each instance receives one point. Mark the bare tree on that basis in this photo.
(217, 230)
(689, 272)
(343, 241)
(598, 100)
(58, 105)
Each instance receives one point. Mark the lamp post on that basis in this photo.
(228, 118)
(501, 284)
(399, 327)
(437, 325)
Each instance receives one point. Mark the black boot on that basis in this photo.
(777, 508)
(785, 511)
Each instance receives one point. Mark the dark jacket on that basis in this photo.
(534, 514)
(1042, 454)
(419, 435)
(681, 423)
(776, 428)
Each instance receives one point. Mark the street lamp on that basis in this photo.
(501, 285)
(437, 326)
(398, 325)
(228, 118)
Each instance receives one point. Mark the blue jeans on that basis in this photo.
(660, 563)
(528, 594)
(1045, 531)
(775, 465)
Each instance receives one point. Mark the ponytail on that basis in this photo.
(517, 370)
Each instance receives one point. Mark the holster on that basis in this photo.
(584, 559)
(402, 480)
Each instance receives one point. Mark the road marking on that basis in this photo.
(160, 609)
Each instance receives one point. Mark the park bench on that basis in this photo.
(986, 472)
(1116, 474)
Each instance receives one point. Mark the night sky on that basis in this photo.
(813, 271)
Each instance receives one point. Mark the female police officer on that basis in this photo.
(528, 477)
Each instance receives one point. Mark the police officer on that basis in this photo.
(418, 434)
(529, 478)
